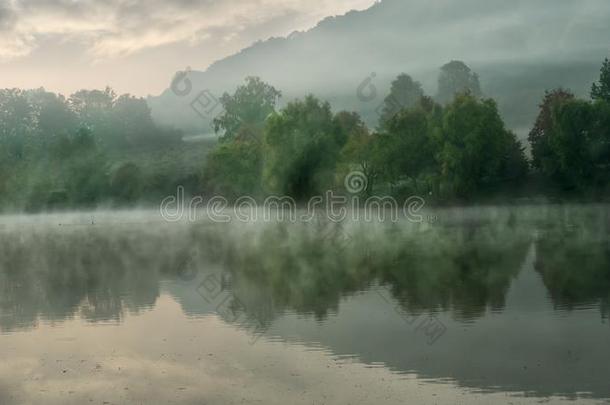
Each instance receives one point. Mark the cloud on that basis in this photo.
(12, 44)
(114, 28)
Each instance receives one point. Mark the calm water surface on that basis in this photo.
(479, 305)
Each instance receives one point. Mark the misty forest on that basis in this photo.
(321, 202)
(97, 148)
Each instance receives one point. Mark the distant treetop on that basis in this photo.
(455, 78)
(601, 90)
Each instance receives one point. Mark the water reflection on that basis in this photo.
(524, 300)
(574, 265)
(96, 273)
(462, 270)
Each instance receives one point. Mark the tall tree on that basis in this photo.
(234, 168)
(54, 116)
(539, 136)
(475, 146)
(601, 90)
(131, 122)
(404, 93)
(245, 111)
(405, 150)
(92, 106)
(358, 152)
(94, 109)
(456, 78)
(17, 123)
(301, 149)
(85, 172)
(571, 141)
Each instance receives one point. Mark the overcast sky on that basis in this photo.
(136, 45)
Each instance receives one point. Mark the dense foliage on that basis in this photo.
(459, 150)
(456, 78)
(95, 147)
(601, 91)
(57, 152)
(571, 138)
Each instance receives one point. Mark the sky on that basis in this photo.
(135, 46)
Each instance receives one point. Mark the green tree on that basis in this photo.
(93, 106)
(119, 122)
(85, 170)
(17, 124)
(601, 91)
(53, 150)
(539, 136)
(571, 141)
(405, 150)
(572, 164)
(70, 172)
(127, 183)
(234, 170)
(131, 124)
(456, 78)
(302, 143)
(475, 148)
(131, 120)
(404, 93)
(54, 116)
(599, 143)
(358, 152)
(246, 110)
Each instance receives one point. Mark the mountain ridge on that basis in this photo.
(517, 52)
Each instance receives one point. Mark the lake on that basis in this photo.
(481, 305)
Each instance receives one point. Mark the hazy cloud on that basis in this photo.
(137, 45)
(111, 28)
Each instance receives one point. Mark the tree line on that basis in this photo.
(58, 152)
(96, 147)
(453, 147)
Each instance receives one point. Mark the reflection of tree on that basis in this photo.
(100, 272)
(291, 268)
(465, 271)
(575, 267)
(294, 269)
(55, 273)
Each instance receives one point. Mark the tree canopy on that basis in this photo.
(404, 93)
(456, 77)
(571, 140)
(601, 91)
(302, 145)
(245, 111)
(96, 147)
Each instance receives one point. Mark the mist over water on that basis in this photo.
(497, 300)
(408, 202)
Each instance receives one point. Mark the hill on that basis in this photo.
(518, 49)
